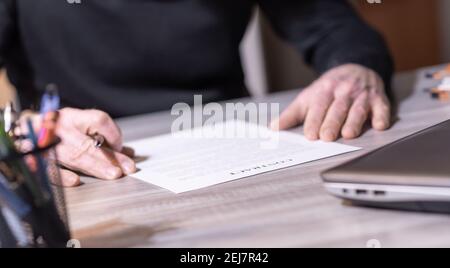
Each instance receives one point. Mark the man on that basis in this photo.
(129, 57)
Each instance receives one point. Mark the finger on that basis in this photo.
(85, 158)
(380, 106)
(335, 118)
(107, 163)
(96, 167)
(381, 113)
(292, 116)
(127, 164)
(93, 122)
(116, 159)
(316, 114)
(68, 178)
(357, 116)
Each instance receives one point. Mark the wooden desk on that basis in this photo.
(286, 208)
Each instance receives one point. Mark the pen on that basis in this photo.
(50, 100)
(47, 133)
(10, 117)
(31, 134)
(49, 112)
(29, 212)
(36, 162)
(20, 169)
(99, 140)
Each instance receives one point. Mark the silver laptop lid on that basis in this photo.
(422, 159)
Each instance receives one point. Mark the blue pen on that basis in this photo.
(41, 166)
(31, 133)
(50, 103)
(50, 100)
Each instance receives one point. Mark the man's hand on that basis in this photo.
(78, 153)
(339, 102)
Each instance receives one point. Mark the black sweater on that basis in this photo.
(135, 56)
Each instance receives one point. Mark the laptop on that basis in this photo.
(410, 174)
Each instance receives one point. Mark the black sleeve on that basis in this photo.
(7, 22)
(329, 33)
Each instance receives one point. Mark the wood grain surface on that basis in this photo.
(285, 208)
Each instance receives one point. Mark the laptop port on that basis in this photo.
(360, 192)
(379, 193)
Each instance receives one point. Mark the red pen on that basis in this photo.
(48, 129)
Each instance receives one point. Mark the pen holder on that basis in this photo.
(40, 219)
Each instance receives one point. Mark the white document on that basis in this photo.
(202, 157)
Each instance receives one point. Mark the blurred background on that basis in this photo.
(417, 32)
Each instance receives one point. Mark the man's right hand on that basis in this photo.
(77, 151)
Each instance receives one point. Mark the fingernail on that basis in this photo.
(380, 125)
(114, 173)
(311, 136)
(328, 135)
(128, 167)
(349, 133)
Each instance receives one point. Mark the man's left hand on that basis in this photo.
(339, 103)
